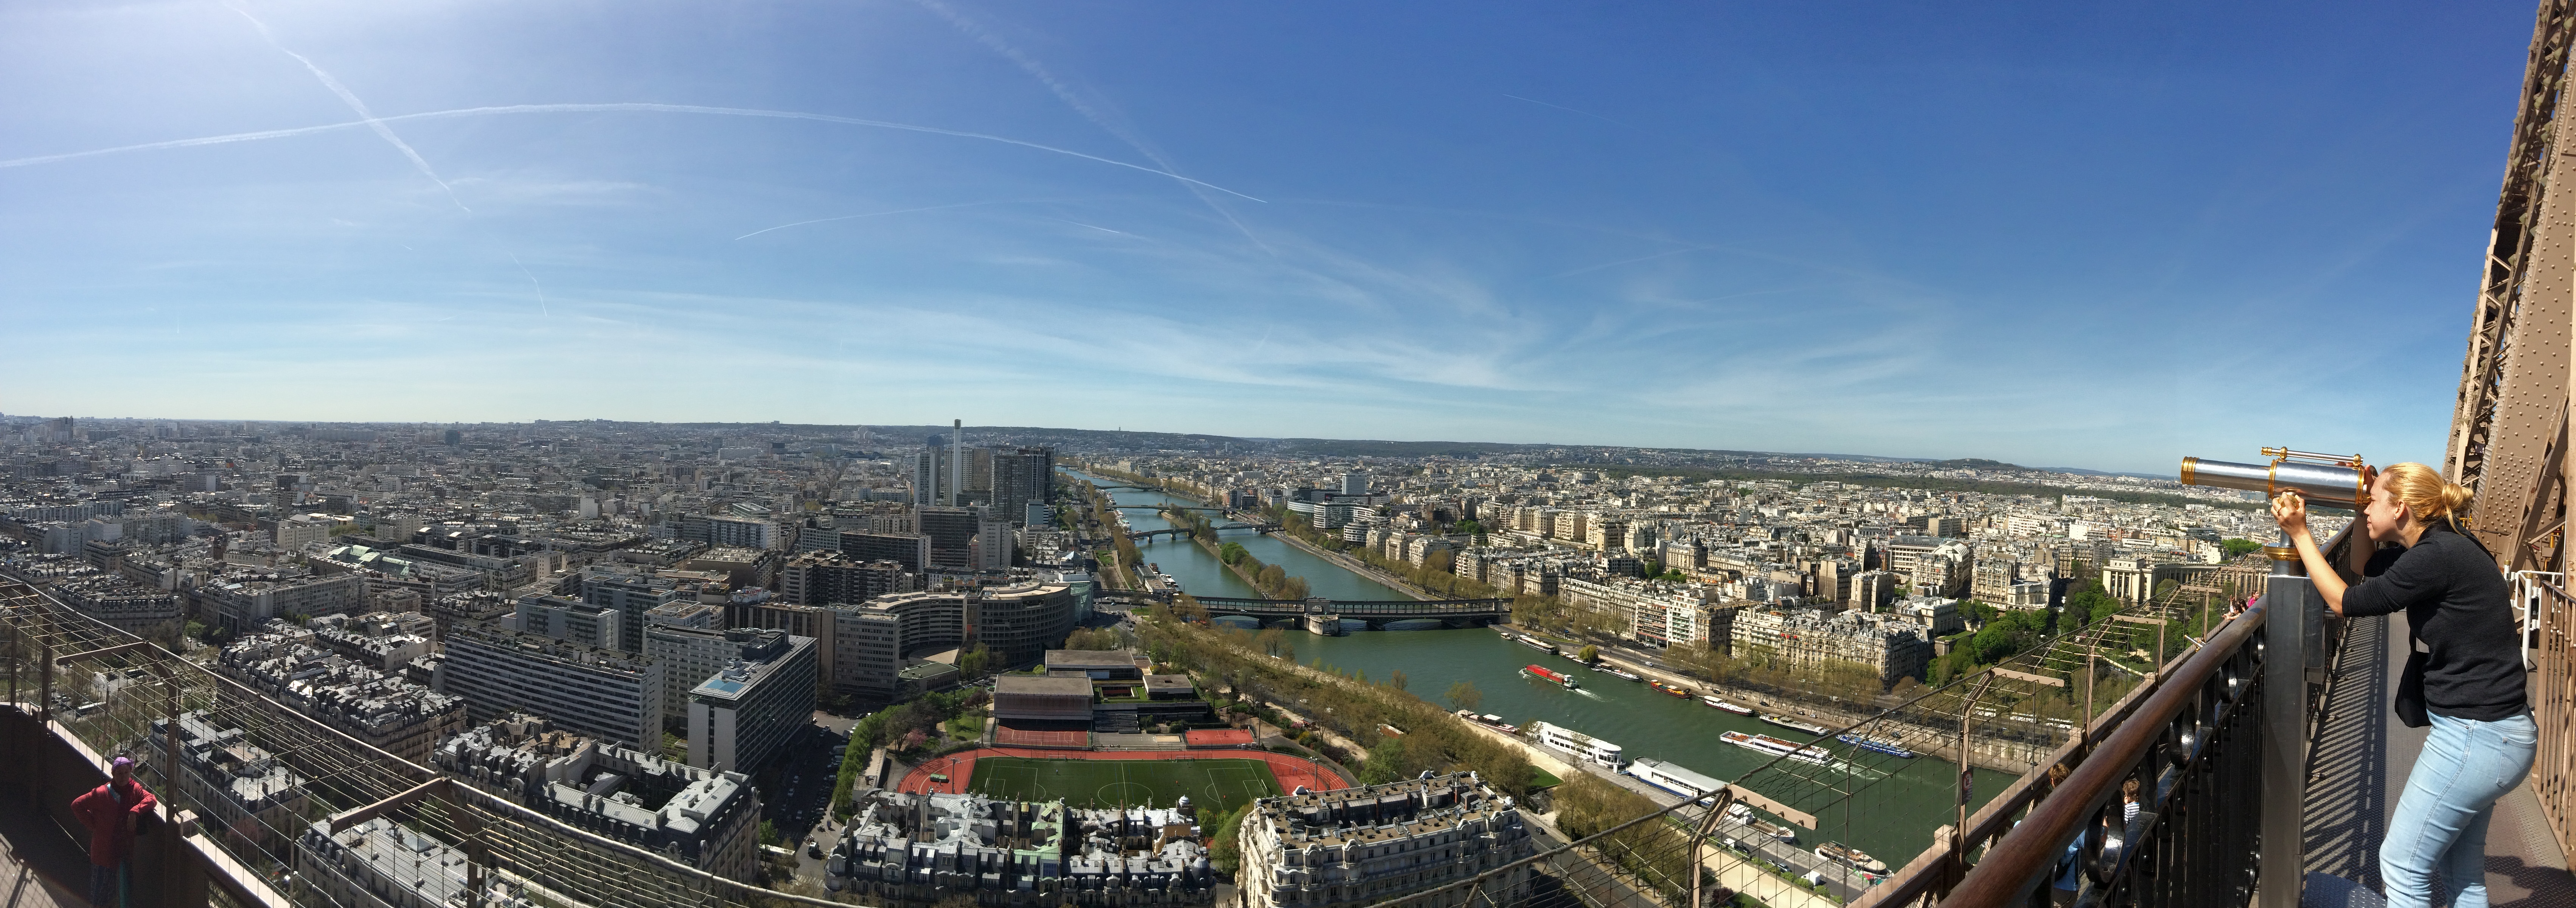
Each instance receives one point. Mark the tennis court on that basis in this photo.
(1113, 783)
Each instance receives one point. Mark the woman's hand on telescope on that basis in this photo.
(2290, 510)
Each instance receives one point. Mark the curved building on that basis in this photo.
(877, 638)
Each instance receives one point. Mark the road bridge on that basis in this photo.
(1178, 532)
(1376, 612)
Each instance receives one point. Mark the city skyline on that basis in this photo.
(2038, 237)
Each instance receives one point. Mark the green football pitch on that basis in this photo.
(1112, 783)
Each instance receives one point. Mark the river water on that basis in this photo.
(1891, 817)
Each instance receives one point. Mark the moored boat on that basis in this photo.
(1853, 858)
(1536, 643)
(1795, 725)
(1729, 707)
(1777, 747)
(1879, 746)
(1619, 673)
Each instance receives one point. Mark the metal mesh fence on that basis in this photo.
(112, 698)
(2011, 720)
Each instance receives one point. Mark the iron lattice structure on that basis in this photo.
(2509, 431)
(2509, 434)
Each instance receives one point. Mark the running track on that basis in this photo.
(960, 767)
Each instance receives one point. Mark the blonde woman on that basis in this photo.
(2467, 662)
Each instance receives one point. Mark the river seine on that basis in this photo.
(1891, 817)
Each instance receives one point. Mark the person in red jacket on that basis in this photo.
(111, 812)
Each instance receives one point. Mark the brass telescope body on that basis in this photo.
(2326, 481)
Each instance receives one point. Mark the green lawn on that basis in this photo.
(1111, 783)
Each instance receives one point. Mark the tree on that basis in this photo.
(971, 663)
(2239, 547)
(1225, 853)
(1270, 640)
(1464, 695)
(1232, 553)
(1396, 679)
(769, 834)
(1588, 653)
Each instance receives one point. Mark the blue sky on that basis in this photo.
(2057, 234)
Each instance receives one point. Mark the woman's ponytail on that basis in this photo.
(2424, 492)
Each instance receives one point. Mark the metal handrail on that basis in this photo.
(2036, 843)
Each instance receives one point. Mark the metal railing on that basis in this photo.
(2549, 615)
(2195, 748)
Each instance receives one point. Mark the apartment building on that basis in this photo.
(606, 693)
(750, 710)
(1357, 846)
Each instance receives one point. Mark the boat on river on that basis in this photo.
(1536, 643)
(1778, 747)
(1795, 725)
(1673, 689)
(1853, 858)
(1875, 745)
(1617, 673)
(1729, 707)
(1558, 677)
(1744, 815)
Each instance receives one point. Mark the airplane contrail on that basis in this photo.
(617, 107)
(542, 308)
(1101, 229)
(867, 215)
(351, 98)
(1075, 100)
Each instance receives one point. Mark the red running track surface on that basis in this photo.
(960, 767)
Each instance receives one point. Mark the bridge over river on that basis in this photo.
(1450, 612)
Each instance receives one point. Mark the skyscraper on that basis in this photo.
(1022, 476)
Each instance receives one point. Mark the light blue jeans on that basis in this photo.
(2440, 825)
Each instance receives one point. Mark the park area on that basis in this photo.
(1222, 783)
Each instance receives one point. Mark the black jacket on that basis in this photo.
(2458, 604)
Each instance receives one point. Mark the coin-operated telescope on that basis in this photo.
(2326, 480)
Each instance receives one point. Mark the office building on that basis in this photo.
(1022, 477)
(688, 655)
(952, 537)
(909, 550)
(606, 693)
(823, 578)
(747, 714)
(996, 544)
(740, 532)
(1360, 846)
(880, 637)
(571, 619)
(630, 595)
